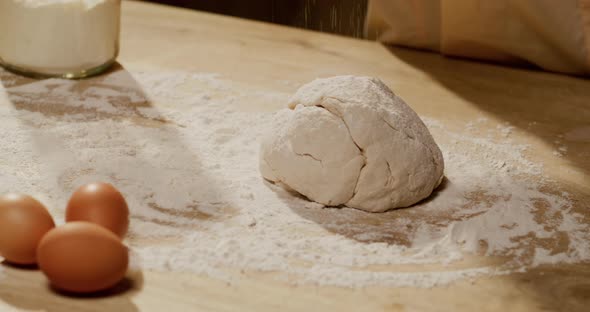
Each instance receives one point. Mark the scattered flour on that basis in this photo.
(189, 169)
(561, 149)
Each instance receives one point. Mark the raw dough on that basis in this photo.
(351, 141)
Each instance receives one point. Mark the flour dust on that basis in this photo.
(183, 148)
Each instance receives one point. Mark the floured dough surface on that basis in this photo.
(351, 141)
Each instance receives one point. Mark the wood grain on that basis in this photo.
(259, 55)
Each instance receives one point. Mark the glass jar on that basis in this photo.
(59, 38)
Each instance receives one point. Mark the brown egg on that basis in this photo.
(23, 222)
(82, 257)
(99, 203)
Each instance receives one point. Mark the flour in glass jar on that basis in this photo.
(55, 37)
(189, 169)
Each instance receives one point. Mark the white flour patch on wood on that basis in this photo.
(189, 169)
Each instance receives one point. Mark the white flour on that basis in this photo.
(189, 169)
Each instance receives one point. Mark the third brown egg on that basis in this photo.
(102, 204)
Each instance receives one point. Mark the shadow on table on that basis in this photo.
(540, 103)
(395, 227)
(25, 288)
(16, 266)
(559, 287)
(115, 97)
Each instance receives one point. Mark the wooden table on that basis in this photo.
(455, 91)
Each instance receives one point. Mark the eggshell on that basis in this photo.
(23, 222)
(99, 203)
(82, 257)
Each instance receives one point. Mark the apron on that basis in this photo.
(552, 34)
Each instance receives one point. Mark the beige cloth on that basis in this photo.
(552, 34)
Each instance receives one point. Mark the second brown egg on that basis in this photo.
(102, 204)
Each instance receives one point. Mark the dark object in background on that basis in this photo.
(344, 17)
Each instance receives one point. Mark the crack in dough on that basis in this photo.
(310, 156)
(434, 162)
(361, 150)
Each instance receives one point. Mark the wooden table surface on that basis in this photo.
(455, 91)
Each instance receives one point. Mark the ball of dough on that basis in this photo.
(351, 141)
